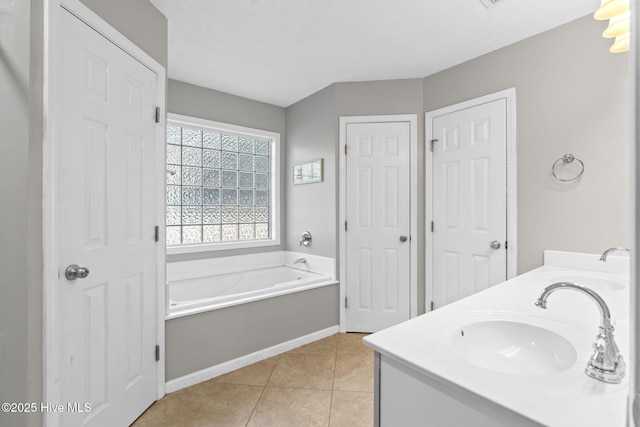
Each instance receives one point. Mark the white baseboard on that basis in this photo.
(241, 362)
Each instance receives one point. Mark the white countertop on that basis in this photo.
(568, 398)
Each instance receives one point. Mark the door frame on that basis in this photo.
(510, 96)
(412, 119)
(51, 340)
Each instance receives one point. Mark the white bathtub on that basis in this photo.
(195, 295)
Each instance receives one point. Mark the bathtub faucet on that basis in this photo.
(300, 261)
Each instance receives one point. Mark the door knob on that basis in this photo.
(74, 272)
(495, 244)
(403, 238)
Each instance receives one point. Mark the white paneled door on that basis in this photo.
(106, 322)
(469, 201)
(378, 225)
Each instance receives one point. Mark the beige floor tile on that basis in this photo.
(284, 407)
(351, 409)
(325, 346)
(303, 371)
(352, 342)
(205, 404)
(256, 374)
(362, 351)
(308, 374)
(354, 371)
(351, 338)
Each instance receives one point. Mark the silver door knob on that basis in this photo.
(403, 238)
(495, 244)
(74, 272)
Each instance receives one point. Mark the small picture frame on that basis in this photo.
(308, 173)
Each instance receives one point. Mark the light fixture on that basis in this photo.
(618, 26)
(621, 44)
(617, 12)
(610, 8)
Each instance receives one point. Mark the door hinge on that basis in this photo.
(345, 226)
(433, 306)
(433, 144)
(157, 114)
(346, 304)
(346, 149)
(157, 353)
(432, 226)
(156, 233)
(506, 245)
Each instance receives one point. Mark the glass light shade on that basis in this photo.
(610, 8)
(621, 44)
(618, 26)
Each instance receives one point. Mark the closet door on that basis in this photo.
(469, 201)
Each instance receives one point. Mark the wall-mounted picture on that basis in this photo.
(308, 173)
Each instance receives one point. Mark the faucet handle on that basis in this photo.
(606, 364)
(600, 345)
(305, 239)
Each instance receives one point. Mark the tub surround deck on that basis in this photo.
(422, 348)
(209, 284)
(181, 270)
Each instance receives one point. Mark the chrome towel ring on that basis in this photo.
(567, 158)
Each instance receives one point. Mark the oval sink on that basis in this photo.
(513, 347)
(595, 282)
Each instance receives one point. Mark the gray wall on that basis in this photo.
(380, 97)
(311, 135)
(572, 97)
(196, 101)
(139, 21)
(21, 133)
(203, 340)
(20, 190)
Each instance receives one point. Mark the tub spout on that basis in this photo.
(300, 261)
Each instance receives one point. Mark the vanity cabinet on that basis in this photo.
(406, 397)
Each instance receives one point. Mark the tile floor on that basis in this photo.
(326, 383)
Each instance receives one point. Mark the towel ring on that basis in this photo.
(567, 158)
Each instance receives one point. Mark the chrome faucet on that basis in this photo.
(300, 261)
(606, 364)
(606, 253)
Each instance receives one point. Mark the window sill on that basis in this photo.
(212, 247)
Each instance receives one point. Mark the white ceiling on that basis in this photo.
(281, 51)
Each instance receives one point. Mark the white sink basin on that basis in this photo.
(512, 342)
(513, 347)
(593, 281)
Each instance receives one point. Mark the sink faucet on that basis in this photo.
(606, 364)
(606, 253)
(300, 261)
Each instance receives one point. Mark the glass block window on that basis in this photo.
(219, 185)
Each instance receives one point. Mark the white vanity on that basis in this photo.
(495, 359)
